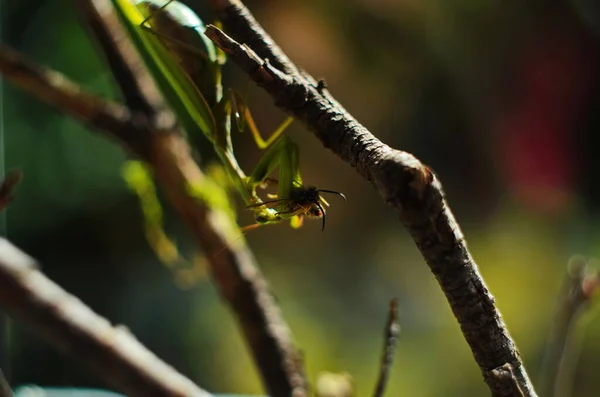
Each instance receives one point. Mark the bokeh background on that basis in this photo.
(500, 98)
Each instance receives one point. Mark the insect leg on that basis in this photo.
(244, 119)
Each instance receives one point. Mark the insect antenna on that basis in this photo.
(332, 192)
(322, 212)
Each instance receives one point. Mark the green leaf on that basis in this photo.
(187, 19)
(139, 179)
(184, 97)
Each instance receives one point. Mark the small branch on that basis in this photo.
(8, 186)
(241, 24)
(54, 88)
(408, 186)
(392, 330)
(581, 285)
(73, 328)
(504, 381)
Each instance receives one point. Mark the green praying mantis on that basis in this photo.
(187, 67)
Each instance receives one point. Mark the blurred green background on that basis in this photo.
(500, 98)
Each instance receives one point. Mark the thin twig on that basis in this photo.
(407, 185)
(73, 328)
(234, 269)
(392, 330)
(7, 188)
(581, 285)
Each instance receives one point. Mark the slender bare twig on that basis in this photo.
(581, 284)
(7, 188)
(72, 327)
(392, 330)
(404, 183)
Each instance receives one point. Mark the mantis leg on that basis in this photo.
(224, 149)
(243, 118)
(285, 155)
(280, 152)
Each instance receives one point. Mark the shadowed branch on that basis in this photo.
(401, 179)
(73, 328)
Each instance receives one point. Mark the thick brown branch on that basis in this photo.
(412, 189)
(73, 328)
(234, 269)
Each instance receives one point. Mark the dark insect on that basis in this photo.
(303, 201)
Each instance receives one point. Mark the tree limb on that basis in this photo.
(404, 183)
(73, 328)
